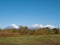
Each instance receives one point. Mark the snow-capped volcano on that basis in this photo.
(12, 26)
(37, 26)
(50, 26)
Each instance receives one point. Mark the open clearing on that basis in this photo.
(31, 40)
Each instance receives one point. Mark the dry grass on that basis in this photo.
(31, 40)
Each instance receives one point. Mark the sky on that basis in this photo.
(28, 12)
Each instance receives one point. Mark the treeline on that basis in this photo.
(26, 31)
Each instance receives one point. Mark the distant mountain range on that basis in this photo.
(35, 26)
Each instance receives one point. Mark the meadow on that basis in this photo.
(31, 40)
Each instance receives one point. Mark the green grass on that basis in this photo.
(32, 40)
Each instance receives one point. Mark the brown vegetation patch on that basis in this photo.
(5, 44)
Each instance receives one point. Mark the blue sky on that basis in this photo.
(28, 12)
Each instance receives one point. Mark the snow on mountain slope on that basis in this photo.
(37, 26)
(12, 26)
(50, 26)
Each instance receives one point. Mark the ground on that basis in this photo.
(31, 40)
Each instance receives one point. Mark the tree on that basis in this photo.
(56, 30)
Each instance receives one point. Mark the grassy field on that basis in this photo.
(31, 40)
